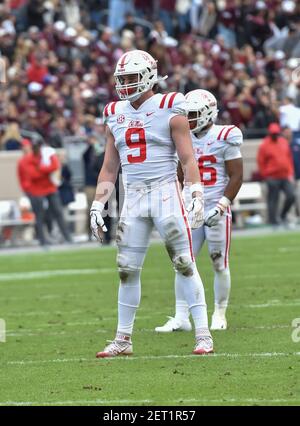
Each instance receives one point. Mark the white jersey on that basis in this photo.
(143, 138)
(219, 144)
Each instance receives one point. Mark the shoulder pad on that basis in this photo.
(109, 110)
(231, 135)
(174, 101)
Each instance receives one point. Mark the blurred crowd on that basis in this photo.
(59, 58)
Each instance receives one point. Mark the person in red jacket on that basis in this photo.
(37, 70)
(23, 177)
(38, 172)
(276, 167)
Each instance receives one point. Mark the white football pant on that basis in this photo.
(160, 206)
(218, 240)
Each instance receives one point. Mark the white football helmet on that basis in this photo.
(205, 105)
(141, 64)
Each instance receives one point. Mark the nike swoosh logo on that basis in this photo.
(149, 113)
(167, 198)
(210, 143)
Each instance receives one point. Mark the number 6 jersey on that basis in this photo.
(219, 144)
(143, 138)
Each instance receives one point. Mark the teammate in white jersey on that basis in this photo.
(144, 131)
(217, 151)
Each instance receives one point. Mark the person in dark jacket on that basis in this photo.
(93, 160)
(66, 190)
(295, 148)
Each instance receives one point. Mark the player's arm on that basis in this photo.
(180, 175)
(109, 171)
(105, 185)
(180, 133)
(234, 169)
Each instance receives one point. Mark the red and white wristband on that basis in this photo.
(196, 187)
(98, 206)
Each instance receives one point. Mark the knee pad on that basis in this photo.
(184, 265)
(127, 266)
(218, 261)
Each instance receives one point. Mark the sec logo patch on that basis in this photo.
(121, 119)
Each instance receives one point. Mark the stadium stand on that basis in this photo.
(57, 60)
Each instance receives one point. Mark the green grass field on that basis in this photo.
(60, 308)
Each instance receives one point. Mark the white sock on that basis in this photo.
(222, 284)
(193, 291)
(220, 311)
(128, 302)
(181, 309)
(202, 332)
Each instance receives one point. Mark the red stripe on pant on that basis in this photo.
(228, 237)
(188, 229)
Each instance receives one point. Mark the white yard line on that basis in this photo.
(155, 357)
(152, 401)
(261, 276)
(271, 304)
(44, 313)
(31, 275)
(36, 332)
(291, 249)
(268, 304)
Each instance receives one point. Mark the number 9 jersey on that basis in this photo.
(143, 137)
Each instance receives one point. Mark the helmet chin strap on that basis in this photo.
(135, 97)
(162, 78)
(202, 132)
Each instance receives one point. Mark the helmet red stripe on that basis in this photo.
(122, 63)
(171, 100)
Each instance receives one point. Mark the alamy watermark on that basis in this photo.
(140, 199)
(296, 330)
(2, 331)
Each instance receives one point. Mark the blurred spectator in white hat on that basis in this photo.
(289, 115)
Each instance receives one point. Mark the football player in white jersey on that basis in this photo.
(217, 151)
(144, 131)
